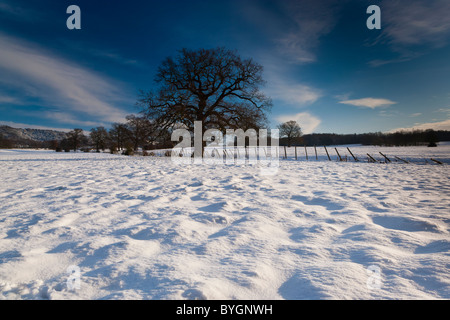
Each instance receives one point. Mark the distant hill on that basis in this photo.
(17, 134)
(29, 138)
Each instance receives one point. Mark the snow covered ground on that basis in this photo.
(101, 226)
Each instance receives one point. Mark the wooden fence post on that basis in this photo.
(296, 153)
(315, 150)
(387, 159)
(327, 153)
(437, 161)
(306, 153)
(405, 161)
(285, 155)
(356, 159)
(340, 159)
(371, 158)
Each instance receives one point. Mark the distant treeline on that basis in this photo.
(123, 138)
(400, 138)
(17, 143)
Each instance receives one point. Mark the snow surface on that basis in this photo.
(149, 228)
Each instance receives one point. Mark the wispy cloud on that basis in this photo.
(344, 96)
(294, 94)
(308, 122)
(381, 62)
(116, 57)
(13, 10)
(8, 9)
(289, 91)
(371, 103)
(112, 55)
(440, 125)
(412, 29)
(443, 110)
(295, 27)
(417, 22)
(4, 99)
(310, 20)
(59, 83)
(63, 117)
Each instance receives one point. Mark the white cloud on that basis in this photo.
(371, 103)
(308, 122)
(440, 125)
(295, 94)
(58, 82)
(289, 91)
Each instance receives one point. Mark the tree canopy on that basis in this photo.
(215, 86)
(291, 130)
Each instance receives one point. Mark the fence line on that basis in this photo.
(267, 152)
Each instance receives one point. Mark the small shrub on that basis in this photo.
(128, 151)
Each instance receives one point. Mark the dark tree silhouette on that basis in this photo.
(99, 137)
(139, 131)
(118, 134)
(291, 130)
(214, 86)
(76, 138)
(431, 137)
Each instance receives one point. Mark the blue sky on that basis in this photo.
(323, 66)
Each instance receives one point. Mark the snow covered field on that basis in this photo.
(101, 226)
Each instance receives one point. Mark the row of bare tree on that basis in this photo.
(215, 86)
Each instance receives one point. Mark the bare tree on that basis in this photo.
(214, 86)
(119, 134)
(139, 130)
(76, 138)
(291, 130)
(99, 137)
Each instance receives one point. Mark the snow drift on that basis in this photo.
(101, 226)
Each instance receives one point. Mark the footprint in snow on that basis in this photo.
(434, 247)
(193, 294)
(328, 204)
(405, 224)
